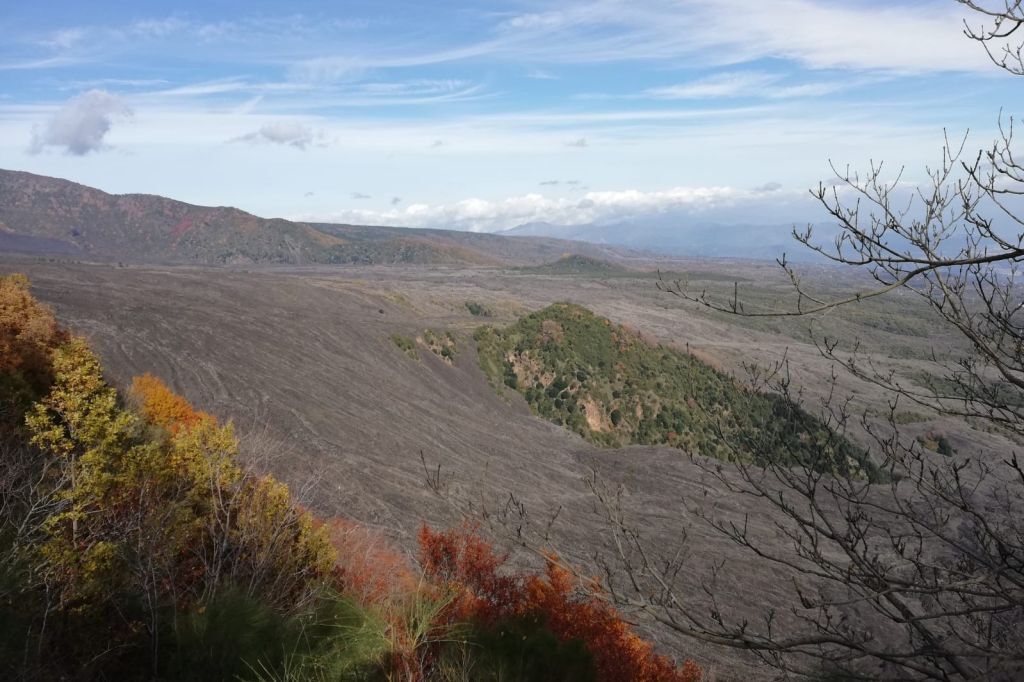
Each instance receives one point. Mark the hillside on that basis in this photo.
(48, 215)
(158, 554)
(614, 387)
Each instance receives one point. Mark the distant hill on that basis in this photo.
(39, 214)
(575, 264)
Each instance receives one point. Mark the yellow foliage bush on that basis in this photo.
(172, 502)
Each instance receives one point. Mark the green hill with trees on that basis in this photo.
(613, 387)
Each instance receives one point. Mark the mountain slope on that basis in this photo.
(48, 215)
(146, 227)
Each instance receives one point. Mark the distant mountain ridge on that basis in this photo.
(40, 214)
(672, 236)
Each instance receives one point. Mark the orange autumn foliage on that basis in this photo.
(28, 333)
(369, 567)
(460, 559)
(163, 407)
(466, 563)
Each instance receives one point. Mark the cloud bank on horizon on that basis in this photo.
(485, 116)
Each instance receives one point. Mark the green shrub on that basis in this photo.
(478, 309)
(440, 344)
(405, 344)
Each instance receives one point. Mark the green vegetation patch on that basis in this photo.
(614, 388)
(406, 345)
(441, 344)
(477, 309)
(909, 417)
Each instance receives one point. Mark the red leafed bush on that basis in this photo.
(467, 564)
(369, 567)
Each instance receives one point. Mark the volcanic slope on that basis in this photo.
(40, 214)
(303, 360)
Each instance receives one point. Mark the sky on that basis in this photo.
(486, 115)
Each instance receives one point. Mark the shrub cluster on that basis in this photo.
(477, 309)
(441, 344)
(538, 626)
(406, 345)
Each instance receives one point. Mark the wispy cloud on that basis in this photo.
(288, 133)
(817, 34)
(541, 75)
(719, 85)
(812, 33)
(749, 84)
(33, 64)
(117, 82)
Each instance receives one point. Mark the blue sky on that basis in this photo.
(486, 115)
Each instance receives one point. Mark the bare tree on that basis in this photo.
(915, 570)
(1003, 19)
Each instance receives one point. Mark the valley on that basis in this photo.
(301, 358)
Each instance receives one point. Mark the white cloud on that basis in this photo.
(578, 142)
(81, 125)
(483, 215)
(288, 133)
